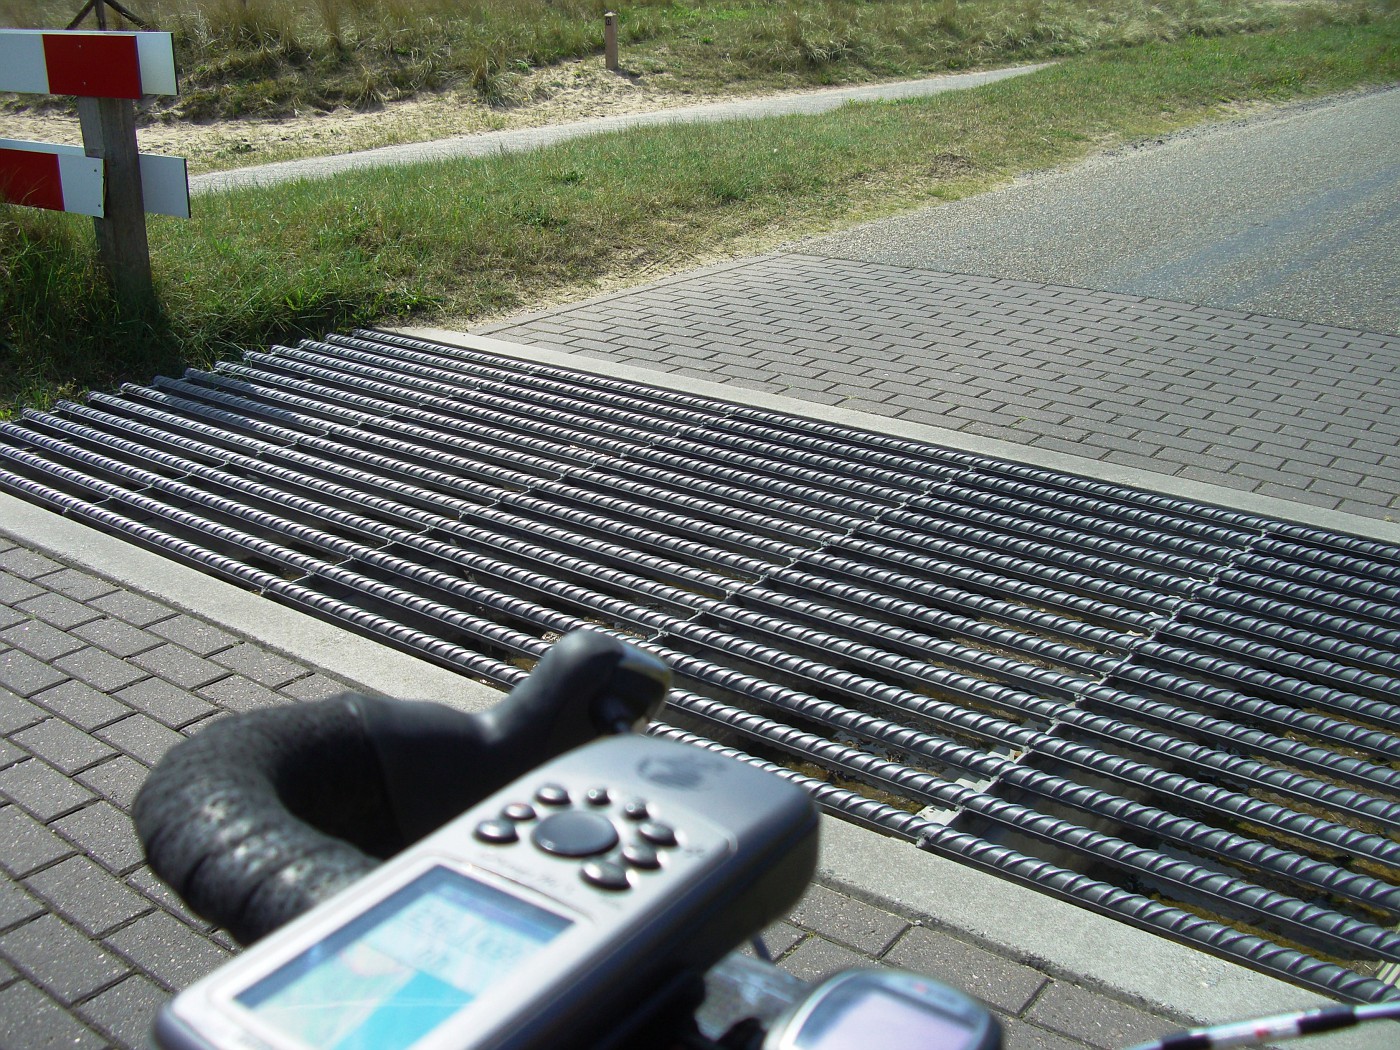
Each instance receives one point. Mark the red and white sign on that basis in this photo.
(33, 175)
(88, 64)
(62, 178)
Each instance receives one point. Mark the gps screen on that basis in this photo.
(848, 1021)
(393, 974)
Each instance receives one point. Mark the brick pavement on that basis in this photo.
(97, 680)
(1281, 408)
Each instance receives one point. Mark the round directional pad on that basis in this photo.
(575, 834)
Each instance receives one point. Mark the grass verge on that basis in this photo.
(465, 240)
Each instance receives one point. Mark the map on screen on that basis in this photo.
(388, 978)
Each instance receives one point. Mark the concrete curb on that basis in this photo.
(1060, 938)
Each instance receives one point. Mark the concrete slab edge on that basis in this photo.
(1167, 484)
(1061, 939)
(361, 662)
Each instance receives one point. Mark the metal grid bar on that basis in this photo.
(1169, 708)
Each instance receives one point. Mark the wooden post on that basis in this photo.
(99, 8)
(610, 41)
(109, 132)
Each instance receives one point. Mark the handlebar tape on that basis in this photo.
(249, 822)
(263, 815)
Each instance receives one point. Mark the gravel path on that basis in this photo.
(519, 140)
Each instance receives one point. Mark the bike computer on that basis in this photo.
(906, 1009)
(542, 917)
(390, 976)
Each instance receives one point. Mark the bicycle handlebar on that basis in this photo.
(264, 815)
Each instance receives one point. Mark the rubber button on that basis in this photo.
(575, 834)
(553, 795)
(497, 832)
(635, 809)
(605, 874)
(598, 796)
(658, 834)
(519, 811)
(640, 855)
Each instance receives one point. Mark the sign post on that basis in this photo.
(610, 41)
(109, 134)
(99, 8)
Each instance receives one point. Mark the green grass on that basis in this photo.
(274, 57)
(464, 240)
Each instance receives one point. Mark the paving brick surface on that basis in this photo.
(1007, 985)
(16, 713)
(104, 833)
(81, 704)
(91, 942)
(117, 637)
(166, 703)
(86, 896)
(117, 780)
(41, 790)
(40, 640)
(26, 675)
(849, 922)
(63, 746)
(194, 634)
(99, 669)
(1264, 405)
(58, 610)
(15, 589)
(31, 1019)
(28, 844)
(125, 1011)
(61, 959)
(1081, 1014)
(17, 906)
(815, 959)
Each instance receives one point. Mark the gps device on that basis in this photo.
(545, 916)
(905, 1009)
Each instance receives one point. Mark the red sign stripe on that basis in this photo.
(31, 179)
(92, 65)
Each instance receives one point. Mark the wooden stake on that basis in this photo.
(99, 7)
(610, 41)
(109, 132)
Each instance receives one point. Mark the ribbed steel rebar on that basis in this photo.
(1299, 754)
(1048, 878)
(315, 512)
(885, 607)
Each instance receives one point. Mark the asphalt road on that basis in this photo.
(1294, 214)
